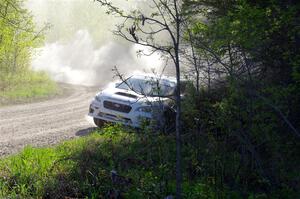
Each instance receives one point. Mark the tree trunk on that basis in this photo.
(178, 135)
(178, 116)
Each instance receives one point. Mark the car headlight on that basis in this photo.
(98, 98)
(146, 109)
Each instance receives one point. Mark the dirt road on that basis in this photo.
(46, 123)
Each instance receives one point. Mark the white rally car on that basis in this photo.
(136, 101)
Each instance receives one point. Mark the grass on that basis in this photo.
(26, 85)
(85, 167)
(82, 168)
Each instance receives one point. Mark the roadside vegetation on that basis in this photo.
(116, 161)
(18, 39)
(26, 87)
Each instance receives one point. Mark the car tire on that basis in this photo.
(98, 122)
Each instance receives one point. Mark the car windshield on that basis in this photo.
(149, 86)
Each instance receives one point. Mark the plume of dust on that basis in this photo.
(79, 62)
(80, 48)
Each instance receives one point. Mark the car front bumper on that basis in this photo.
(133, 118)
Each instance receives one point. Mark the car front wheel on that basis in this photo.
(99, 123)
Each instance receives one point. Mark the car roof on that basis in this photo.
(148, 76)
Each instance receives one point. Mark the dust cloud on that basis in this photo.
(80, 47)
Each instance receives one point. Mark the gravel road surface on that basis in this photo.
(46, 123)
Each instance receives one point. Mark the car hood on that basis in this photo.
(128, 96)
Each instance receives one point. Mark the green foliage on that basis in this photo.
(26, 85)
(18, 38)
(243, 135)
(260, 33)
(190, 113)
(244, 26)
(26, 173)
(82, 168)
(248, 128)
(240, 142)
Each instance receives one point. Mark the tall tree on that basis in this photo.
(17, 36)
(158, 27)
